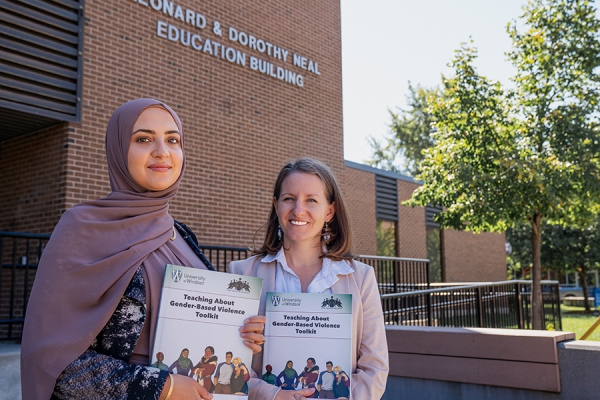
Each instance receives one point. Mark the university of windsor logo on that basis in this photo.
(275, 300)
(176, 275)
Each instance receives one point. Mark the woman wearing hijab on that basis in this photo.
(183, 365)
(92, 313)
(307, 249)
(288, 378)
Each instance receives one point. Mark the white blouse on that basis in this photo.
(287, 281)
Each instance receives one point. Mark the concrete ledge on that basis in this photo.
(513, 374)
(578, 362)
(10, 371)
(513, 358)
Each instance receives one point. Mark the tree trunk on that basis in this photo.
(537, 309)
(584, 287)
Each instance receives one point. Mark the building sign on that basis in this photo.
(212, 39)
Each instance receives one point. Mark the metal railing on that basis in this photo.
(19, 256)
(403, 283)
(221, 256)
(491, 305)
(398, 275)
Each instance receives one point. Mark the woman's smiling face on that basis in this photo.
(302, 208)
(155, 157)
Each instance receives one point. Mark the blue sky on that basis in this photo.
(387, 43)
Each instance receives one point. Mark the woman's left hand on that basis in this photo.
(251, 332)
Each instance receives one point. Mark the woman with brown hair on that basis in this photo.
(307, 249)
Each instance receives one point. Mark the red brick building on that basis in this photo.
(255, 83)
(454, 256)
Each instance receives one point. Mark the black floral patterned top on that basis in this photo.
(103, 370)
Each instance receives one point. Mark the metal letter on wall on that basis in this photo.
(41, 45)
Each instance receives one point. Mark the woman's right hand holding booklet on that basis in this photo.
(294, 394)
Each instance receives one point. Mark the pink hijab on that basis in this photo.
(91, 257)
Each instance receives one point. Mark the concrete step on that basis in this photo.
(10, 371)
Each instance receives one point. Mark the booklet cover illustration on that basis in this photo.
(197, 333)
(309, 342)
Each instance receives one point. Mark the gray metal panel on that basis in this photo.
(430, 213)
(41, 44)
(386, 198)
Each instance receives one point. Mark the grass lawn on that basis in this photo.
(574, 320)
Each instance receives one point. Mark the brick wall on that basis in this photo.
(33, 176)
(241, 125)
(359, 196)
(470, 257)
(412, 237)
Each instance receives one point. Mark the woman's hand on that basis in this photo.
(184, 388)
(251, 332)
(294, 394)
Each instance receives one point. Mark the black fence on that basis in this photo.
(19, 256)
(495, 305)
(221, 256)
(398, 275)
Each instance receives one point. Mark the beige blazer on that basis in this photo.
(370, 363)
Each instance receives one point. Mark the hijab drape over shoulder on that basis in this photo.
(91, 257)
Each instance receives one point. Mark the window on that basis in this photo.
(434, 244)
(434, 253)
(386, 238)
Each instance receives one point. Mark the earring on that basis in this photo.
(326, 233)
(279, 232)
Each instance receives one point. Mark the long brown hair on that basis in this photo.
(339, 245)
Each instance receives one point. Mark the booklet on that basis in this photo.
(302, 327)
(198, 321)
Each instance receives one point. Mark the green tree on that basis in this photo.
(528, 153)
(568, 250)
(575, 250)
(410, 134)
